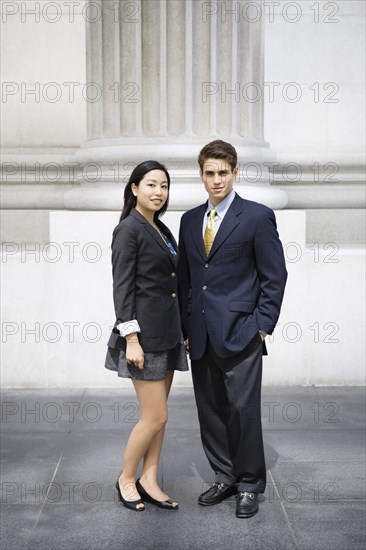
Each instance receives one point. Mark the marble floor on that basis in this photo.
(61, 453)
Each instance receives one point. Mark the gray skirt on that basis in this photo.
(156, 364)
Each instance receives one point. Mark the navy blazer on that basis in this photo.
(236, 290)
(145, 284)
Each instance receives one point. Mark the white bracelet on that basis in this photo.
(128, 327)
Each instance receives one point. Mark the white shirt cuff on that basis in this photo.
(128, 327)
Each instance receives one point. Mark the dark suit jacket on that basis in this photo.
(238, 288)
(145, 284)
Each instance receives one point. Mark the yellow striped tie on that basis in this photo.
(209, 236)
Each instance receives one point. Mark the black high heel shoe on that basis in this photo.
(130, 504)
(165, 504)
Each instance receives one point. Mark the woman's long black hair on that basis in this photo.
(136, 176)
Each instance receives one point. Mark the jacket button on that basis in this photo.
(203, 312)
(206, 266)
(204, 287)
(174, 295)
(172, 274)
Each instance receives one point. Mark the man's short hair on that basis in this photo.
(218, 149)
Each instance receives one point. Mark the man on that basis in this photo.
(232, 277)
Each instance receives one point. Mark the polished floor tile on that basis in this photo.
(61, 453)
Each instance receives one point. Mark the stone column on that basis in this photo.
(174, 75)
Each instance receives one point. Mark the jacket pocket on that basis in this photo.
(245, 307)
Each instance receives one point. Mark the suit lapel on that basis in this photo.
(155, 235)
(170, 236)
(227, 225)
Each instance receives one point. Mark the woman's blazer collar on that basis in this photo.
(149, 228)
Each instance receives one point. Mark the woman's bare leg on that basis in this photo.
(153, 417)
(152, 455)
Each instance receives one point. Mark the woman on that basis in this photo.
(146, 343)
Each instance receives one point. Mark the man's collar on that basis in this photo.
(223, 205)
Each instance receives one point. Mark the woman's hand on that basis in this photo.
(135, 354)
(134, 351)
(186, 345)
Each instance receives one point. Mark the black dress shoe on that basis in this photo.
(246, 505)
(165, 504)
(217, 493)
(130, 504)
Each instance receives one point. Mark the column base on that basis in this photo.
(175, 151)
(112, 161)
